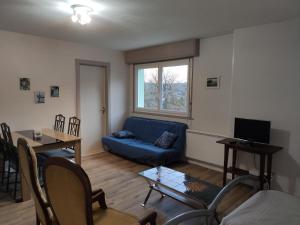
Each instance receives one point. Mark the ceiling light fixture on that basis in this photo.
(81, 14)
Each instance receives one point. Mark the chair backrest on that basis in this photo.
(68, 189)
(59, 124)
(8, 145)
(74, 126)
(6, 134)
(28, 165)
(2, 147)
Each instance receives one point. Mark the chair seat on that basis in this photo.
(112, 217)
(64, 153)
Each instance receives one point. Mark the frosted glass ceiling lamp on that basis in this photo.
(81, 14)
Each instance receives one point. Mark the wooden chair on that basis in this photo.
(73, 129)
(59, 124)
(68, 189)
(28, 163)
(74, 126)
(4, 159)
(11, 156)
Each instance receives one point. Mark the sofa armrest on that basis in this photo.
(230, 186)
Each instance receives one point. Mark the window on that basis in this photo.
(163, 87)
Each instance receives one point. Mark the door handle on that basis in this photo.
(103, 110)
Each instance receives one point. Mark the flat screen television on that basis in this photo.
(252, 130)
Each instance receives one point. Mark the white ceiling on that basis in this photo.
(129, 24)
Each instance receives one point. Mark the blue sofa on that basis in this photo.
(142, 148)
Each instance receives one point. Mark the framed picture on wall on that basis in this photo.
(39, 97)
(24, 84)
(213, 82)
(54, 91)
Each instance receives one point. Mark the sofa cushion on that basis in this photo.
(123, 134)
(166, 140)
(142, 148)
(140, 151)
(149, 130)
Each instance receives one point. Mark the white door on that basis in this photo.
(92, 108)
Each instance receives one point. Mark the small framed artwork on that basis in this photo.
(213, 82)
(24, 84)
(39, 97)
(54, 91)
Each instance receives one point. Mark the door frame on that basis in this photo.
(106, 66)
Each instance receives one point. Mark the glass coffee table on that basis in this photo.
(180, 186)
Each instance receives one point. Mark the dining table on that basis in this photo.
(49, 139)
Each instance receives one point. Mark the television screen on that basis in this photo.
(252, 130)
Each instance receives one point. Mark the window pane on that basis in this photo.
(175, 88)
(147, 88)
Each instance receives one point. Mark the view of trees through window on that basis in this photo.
(164, 89)
(148, 89)
(174, 88)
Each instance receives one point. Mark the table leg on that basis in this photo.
(147, 197)
(226, 152)
(262, 170)
(269, 169)
(77, 148)
(234, 152)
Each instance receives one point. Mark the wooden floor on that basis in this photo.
(125, 190)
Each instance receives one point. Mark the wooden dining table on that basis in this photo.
(49, 140)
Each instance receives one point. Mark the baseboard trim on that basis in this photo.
(91, 155)
(205, 164)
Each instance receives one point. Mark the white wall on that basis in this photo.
(51, 62)
(211, 107)
(266, 79)
(260, 77)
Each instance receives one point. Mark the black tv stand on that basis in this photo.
(263, 150)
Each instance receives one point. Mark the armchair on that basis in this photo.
(72, 201)
(210, 213)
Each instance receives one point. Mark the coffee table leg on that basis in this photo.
(162, 195)
(147, 197)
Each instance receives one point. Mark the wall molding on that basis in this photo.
(191, 131)
(207, 165)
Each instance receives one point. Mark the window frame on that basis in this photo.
(159, 111)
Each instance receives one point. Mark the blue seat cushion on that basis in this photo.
(64, 153)
(140, 151)
(142, 148)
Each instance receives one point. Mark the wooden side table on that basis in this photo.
(265, 151)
